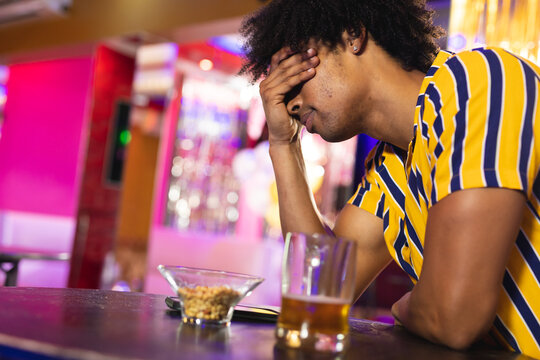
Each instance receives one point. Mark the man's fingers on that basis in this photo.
(278, 57)
(288, 75)
(286, 54)
(275, 91)
(288, 70)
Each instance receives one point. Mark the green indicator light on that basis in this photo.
(125, 137)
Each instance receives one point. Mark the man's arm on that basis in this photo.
(469, 237)
(372, 254)
(297, 208)
(298, 213)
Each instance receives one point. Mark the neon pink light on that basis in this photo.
(45, 116)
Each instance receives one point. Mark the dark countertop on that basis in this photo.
(96, 324)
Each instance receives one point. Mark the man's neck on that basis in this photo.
(394, 93)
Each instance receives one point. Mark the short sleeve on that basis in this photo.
(368, 195)
(480, 109)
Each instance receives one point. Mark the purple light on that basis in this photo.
(228, 43)
(457, 41)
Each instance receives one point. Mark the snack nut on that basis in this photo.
(208, 302)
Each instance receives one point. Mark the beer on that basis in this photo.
(317, 282)
(306, 319)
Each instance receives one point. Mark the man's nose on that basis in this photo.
(294, 105)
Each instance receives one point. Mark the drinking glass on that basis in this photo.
(317, 290)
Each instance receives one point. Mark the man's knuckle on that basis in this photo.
(264, 95)
(291, 81)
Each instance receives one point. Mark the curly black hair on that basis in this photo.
(403, 28)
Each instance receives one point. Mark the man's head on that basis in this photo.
(403, 28)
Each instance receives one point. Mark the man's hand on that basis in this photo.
(288, 71)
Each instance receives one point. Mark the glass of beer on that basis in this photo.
(317, 289)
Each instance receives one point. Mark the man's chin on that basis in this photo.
(335, 138)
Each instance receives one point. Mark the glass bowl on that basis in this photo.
(208, 296)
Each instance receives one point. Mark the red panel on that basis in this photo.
(99, 201)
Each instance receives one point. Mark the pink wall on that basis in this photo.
(40, 147)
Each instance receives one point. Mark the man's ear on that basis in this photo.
(356, 42)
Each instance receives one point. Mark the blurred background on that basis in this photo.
(128, 140)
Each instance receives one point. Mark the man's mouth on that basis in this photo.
(307, 120)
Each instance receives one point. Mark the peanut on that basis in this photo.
(208, 302)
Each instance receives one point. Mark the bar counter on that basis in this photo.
(50, 323)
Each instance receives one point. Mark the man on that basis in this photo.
(451, 191)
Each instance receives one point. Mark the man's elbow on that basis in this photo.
(458, 338)
(461, 327)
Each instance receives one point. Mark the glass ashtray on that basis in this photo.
(208, 296)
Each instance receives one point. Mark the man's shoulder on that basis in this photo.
(471, 69)
(487, 56)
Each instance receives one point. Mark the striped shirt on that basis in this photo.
(477, 124)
